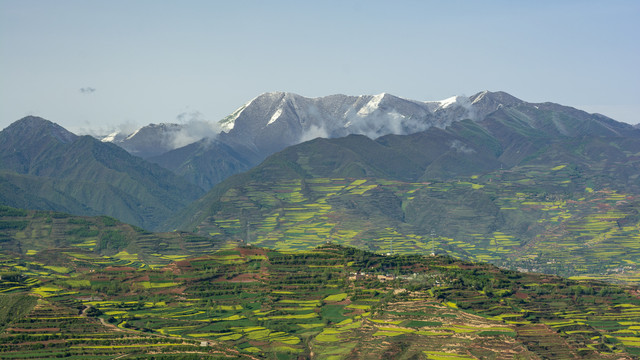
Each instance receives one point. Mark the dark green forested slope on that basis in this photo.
(43, 166)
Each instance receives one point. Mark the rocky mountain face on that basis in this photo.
(44, 166)
(273, 121)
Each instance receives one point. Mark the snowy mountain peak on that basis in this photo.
(228, 123)
(155, 139)
(274, 120)
(299, 118)
(274, 95)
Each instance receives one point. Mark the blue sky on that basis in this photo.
(97, 65)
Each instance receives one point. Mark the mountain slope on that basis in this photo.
(208, 161)
(147, 141)
(273, 121)
(23, 231)
(58, 170)
(530, 186)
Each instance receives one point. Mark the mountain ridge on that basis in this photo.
(87, 176)
(535, 174)
(272, 121)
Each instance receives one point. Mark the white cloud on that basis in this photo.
(192, 128)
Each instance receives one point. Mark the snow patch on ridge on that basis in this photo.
(133, 134)
(372, 105)
(275, 116)
(111, 137)
(479, 97)
(448, 102)
(229, 122)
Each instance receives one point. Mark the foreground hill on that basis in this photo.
(43, 166)
(328, 303)
(544, 188)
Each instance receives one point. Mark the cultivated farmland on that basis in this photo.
(331, 302)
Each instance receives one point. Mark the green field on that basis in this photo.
(529, 219)
(332, 302)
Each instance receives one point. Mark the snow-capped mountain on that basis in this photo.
(155, 139)
(273, 121)
(147, 141)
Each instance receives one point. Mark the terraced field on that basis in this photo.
(44, 316)
(328, 303)
(534, 218)
(33, 233)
